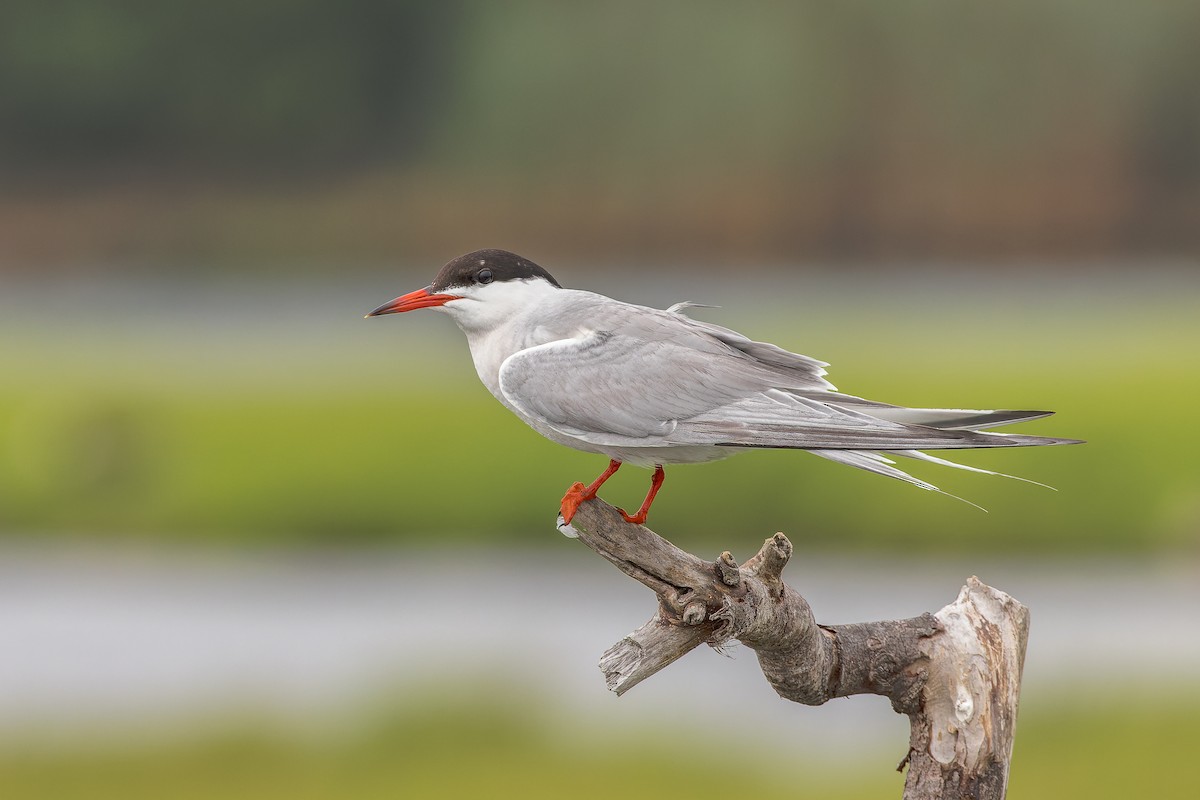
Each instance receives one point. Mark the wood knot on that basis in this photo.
(695, 613)
(728, 570)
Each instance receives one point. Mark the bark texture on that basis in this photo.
(955, 673)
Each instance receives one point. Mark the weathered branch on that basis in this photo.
(956, 673)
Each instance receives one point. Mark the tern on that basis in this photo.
(652, 387)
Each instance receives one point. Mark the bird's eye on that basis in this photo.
(484, 276)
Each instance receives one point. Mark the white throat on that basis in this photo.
(484, 309)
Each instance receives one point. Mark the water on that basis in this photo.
(131, 640)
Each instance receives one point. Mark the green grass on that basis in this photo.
(1135, 748)
(198, 446)
(481, 748)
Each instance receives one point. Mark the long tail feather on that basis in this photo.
(918, 455)
(881, 465)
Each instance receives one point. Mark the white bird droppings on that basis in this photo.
(964, 705)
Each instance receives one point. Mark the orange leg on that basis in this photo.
(578, 493)
(655, 484)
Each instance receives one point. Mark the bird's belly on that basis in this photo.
(637, 456)
(651, 456)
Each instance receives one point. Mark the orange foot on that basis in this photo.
(655, 484)
(578, 493)
(637, 519)
(571, 500)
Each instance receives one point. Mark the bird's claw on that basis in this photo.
(635, 519)
(571, 501)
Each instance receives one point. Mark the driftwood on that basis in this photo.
(956, 673)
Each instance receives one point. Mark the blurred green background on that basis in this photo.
(961, 206)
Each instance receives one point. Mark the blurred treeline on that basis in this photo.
(305, 131)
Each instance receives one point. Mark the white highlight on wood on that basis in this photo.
(974, 677)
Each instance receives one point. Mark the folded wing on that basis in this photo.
(658, 379)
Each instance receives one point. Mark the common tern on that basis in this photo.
(651, 387)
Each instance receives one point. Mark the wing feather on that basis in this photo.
(778, 419)
(606, 385)
(653, 378)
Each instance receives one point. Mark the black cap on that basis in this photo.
(504, 266)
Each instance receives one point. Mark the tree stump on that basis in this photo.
(955, 673)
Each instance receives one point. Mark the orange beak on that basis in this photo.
(421, 298)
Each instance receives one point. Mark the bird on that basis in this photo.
(655, 387)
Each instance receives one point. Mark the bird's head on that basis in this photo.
(479, 290)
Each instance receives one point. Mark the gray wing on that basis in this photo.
(817, 417)
(633, 380)
(783, 419)
(656, 378)
(612, 389)
(795, 371)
